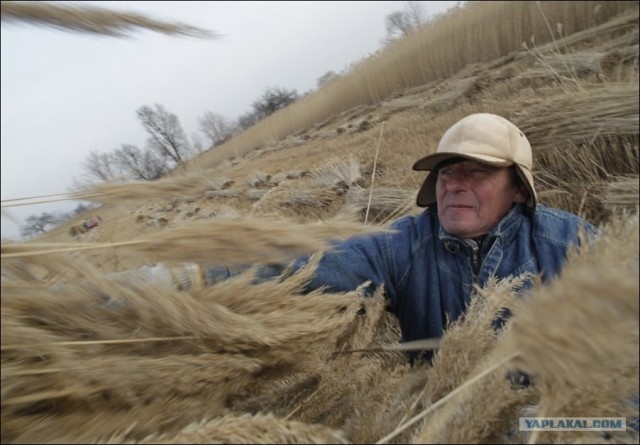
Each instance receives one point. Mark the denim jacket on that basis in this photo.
(428, 274)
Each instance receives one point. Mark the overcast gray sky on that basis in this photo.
(65, 94)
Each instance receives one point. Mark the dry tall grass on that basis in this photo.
(438, 51)
(90, 358)
(91, 19)
(580, 342)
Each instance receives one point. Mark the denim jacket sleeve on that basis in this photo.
(345, 266)
(556, 232)
(378, 258)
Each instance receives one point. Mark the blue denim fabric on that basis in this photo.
(428, 274)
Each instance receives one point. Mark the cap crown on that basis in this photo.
(485, 137)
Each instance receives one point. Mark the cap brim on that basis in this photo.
(429, 162)
(427, 194)
(527, 178)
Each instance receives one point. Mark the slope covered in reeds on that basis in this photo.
(87, 358)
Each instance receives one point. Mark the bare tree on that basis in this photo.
(326, 78)
(36, 224)
(402, 23)
(197, 148)
(99, 166)
(92, 19)
(415, 12)
(274, 99)
(271, 101)
(144, 165)
(216, 127)
(248, 119)
(167, 136)
(78, 210)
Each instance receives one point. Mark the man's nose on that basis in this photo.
(457, 181)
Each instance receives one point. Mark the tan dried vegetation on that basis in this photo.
(87, 359)
(92, 19)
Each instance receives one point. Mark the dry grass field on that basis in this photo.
(90, 359)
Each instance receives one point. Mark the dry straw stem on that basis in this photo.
(35, 200)
(415, 345)
(98, 342)
(621, 191)
(32, 201)
(583, 63)
(51, 269)
(164, 189)
(92, 20)
(384, 200)
(373, 174)
(610, 109)
(302, 202)
(599, 184)
(599, 62)
(315, 197)
(245, 428)
(224, 242)
(337, 171)
(578, 336)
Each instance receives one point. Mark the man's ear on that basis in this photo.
(521, 195)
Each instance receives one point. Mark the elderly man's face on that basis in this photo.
(473, 197)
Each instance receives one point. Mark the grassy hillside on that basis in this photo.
(237, 363)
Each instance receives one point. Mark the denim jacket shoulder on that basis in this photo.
(555, 232)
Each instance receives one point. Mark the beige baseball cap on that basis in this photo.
(484, 137)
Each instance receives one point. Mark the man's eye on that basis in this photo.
(445, 173)
(478, 171)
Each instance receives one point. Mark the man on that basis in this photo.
(482, 220)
